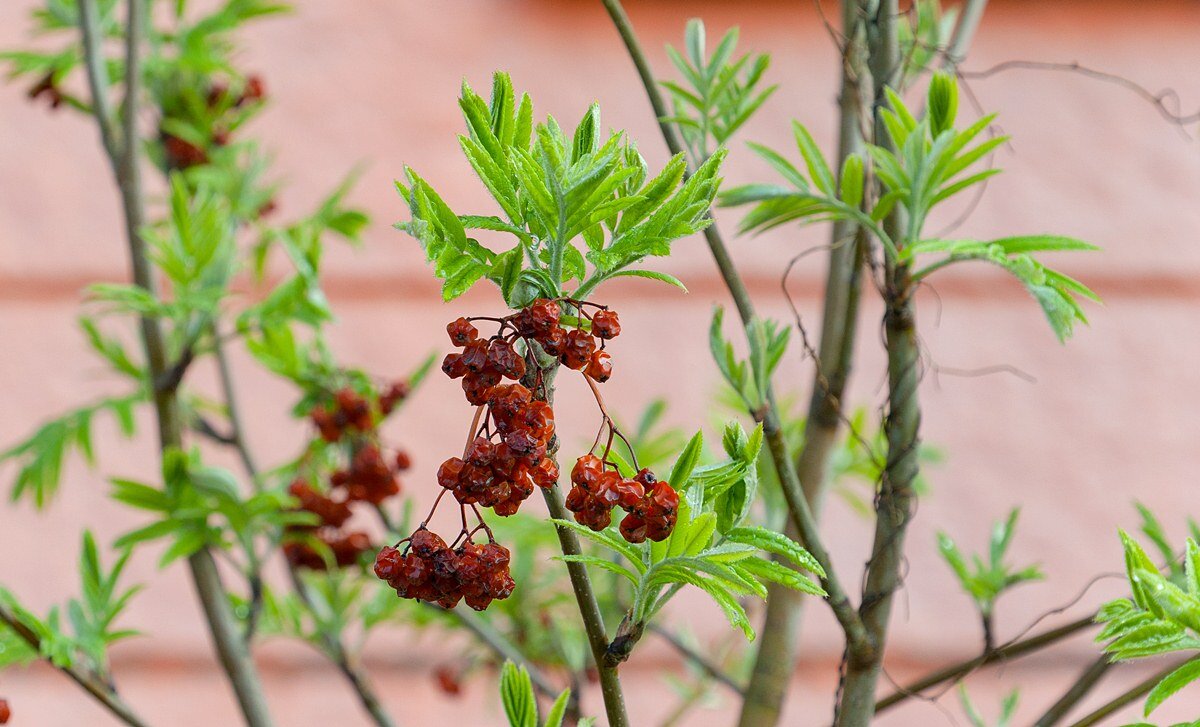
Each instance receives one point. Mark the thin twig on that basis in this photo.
(499, 643)
(964, 33)
(98, 688)
(698, 659)
(1078, 690)
(1126, 697)
(1158, 100)
(1010, 650)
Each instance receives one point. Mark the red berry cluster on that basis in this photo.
(429, 570)
(349, 419)
(652, 505)
(505, 457)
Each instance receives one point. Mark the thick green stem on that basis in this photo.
(798, 508)
(231, 650)
(98, 688)
(581, 582)
(776, 654)
(894, 500)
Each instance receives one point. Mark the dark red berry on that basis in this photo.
(599, 366)
(462, 332)
(605, 324)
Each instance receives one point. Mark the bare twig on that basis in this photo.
(1003, 653)
(1158, 100)
(698, 659)
(1137, 690)
(1079, 689)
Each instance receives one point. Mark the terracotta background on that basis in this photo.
(1108, 419)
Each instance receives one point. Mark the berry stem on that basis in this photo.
(581, 583)
(612, 426)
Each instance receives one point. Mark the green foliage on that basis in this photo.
(1008, 708)
(985, 581)
(200, 506)
(929, 161)
(709, 548)
(520, 702)
(718, 94)
(41, 456)
(1161, 617)
(91, 617)
(749, 378)
(554, 192)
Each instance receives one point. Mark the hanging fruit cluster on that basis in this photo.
(509, 453)
(349, 420)
(209, 130)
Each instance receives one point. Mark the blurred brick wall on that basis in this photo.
(1110, 418)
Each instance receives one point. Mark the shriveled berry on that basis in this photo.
(395, 393)
(577, 350)
(587, 471)
(475, 356)
(599, 366)
(403, 460)
(387, 563)
(449, 473)
(633, 528)
(461, 332)
(426, 542)
(605, 324)
(453, 366)
(553, 341)
(480, 452)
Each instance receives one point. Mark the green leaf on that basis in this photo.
(651, 275)
(818, 168)
(516, 694)
(1172, 683)
(779, 544)
(851, 189)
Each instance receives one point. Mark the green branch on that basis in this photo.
(231, 650)
(797, 505)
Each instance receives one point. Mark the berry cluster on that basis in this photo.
(507, 452)
(432, 571)
(183, 153)
(652, 505)
(349, 419)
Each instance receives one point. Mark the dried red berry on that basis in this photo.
(605, 324)
(599, 366)
(462, 332)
